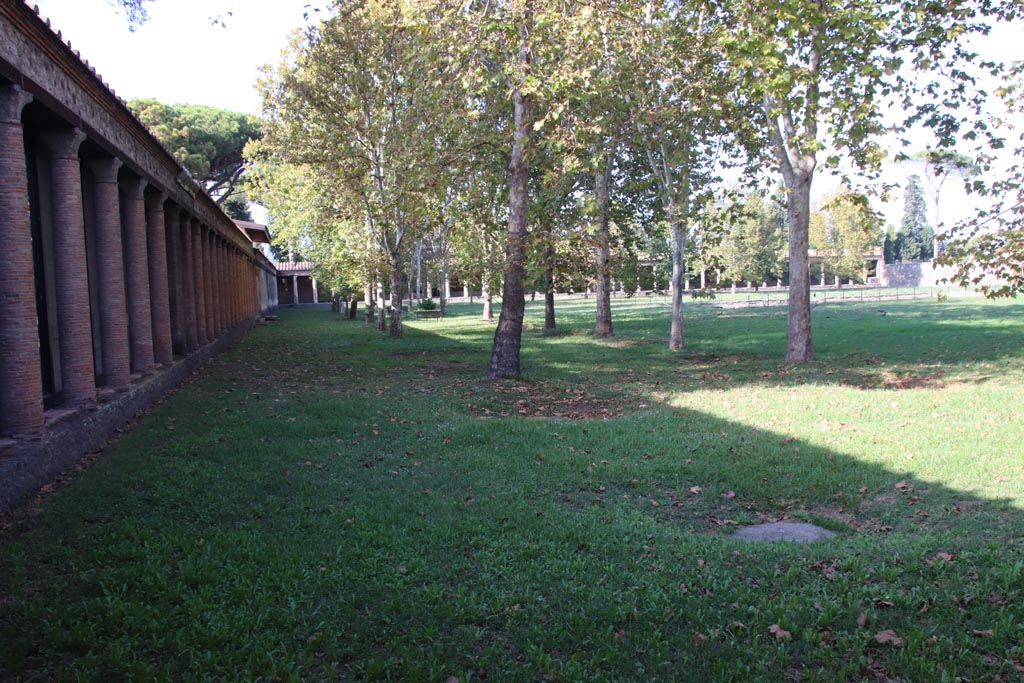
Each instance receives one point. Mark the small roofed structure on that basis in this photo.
(257, 232)
(296, 284)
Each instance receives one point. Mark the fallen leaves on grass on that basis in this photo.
(779, 632)
(888, 636)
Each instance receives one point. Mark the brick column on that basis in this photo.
(211, 323)
(218, 278)
(214, 283)
(175, 291)
(199, 276)
(232, 280)
(140, 319)
(188, 283)
(110, 274)
(74, 323)
(225, 274)
(159, 294)
(21, 387)
(222, 280)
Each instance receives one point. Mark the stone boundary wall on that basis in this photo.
(920, 274)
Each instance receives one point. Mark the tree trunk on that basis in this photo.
(603, 294)
(549, 292)
(396, 295)
(675, 341)
(485, 294)
(799, 348)
(443, 277)
(368, 302)
(419, 271)
(382, 319)
(353, 309)
(509, 334)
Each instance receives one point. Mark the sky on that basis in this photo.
(181, 56)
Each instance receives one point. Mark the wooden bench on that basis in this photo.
(427, 313)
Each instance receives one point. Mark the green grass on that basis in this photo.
(326, 504)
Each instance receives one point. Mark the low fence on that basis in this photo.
(820, 296)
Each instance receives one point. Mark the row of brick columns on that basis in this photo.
(173, 286)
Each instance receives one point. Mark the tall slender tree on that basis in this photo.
(916, 234)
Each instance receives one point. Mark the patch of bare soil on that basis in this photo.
(504, 398)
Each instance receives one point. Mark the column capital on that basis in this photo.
(104, 168)
(12, 100)
(136, 188)
(63, 143)
(156, 199)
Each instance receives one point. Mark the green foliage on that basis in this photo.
(753, 248)
(988, 250)
(915, 232)
(237, 207)
(205, 140)
(843, 230)
(427, 305)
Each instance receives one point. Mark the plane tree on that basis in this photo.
(825, 74)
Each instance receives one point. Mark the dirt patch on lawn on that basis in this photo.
(504, 398)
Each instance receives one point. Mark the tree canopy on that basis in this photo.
(207, 141)
(592, 131)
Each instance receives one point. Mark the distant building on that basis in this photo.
(296, 284)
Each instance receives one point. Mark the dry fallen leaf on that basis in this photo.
(983, 634)
(779, 632)
(729, 494)
(902, 485)
(862, 620)
(888, 636)
(695, 490)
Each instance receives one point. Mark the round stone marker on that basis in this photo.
(797, 532)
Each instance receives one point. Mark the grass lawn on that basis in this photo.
(324, 503)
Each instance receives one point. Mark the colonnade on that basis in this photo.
(106, 276)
